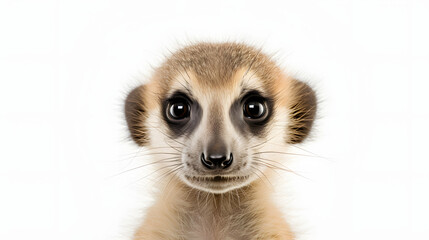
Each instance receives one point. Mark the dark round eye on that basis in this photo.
(178, 109)
(255, 108)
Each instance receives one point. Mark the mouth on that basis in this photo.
(217, 179)
(217, 184)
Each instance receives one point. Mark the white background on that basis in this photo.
(66, 66)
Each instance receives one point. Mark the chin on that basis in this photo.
(217, 184)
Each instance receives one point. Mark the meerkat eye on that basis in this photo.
(255, 108)
(178, 109)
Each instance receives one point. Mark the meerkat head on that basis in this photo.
(211, 110)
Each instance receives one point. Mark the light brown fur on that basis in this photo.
(181, 212)
(218, 72)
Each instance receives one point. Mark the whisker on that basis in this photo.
(263, 175)
(147, 164)
(173, 147)
(161, 153)
(172, 174)
(172, 165)
(314, 154)
(274, 167)
(166, 135)
(259, 144)
(167, 173)
(264, 160)
(284, 153)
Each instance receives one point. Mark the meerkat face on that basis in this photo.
(212, 111)
(218, 128)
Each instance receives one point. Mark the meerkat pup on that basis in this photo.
(217, 119)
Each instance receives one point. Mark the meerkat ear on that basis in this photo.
(136, 115)
(303, 112)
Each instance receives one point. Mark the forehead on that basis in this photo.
(223, 69)
(197, 86)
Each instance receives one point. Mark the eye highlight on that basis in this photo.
(255, 108)
(178, 109)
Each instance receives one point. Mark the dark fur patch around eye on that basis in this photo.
(180, 128)
(245, 127)
(303, 112)
(136, 114)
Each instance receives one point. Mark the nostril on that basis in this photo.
(207, 163)
(227, 162)
(216, 161)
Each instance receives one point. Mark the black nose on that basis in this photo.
(214, 161)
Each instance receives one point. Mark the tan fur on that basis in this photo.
(216, 75)
(181, 212)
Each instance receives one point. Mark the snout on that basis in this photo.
(216, 155)
(216, 161)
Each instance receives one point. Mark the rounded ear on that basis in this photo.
(303, 109)
(136, 115)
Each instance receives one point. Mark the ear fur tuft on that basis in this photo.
(136, 114)
(303, 112)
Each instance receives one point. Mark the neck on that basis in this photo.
(239, 214)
